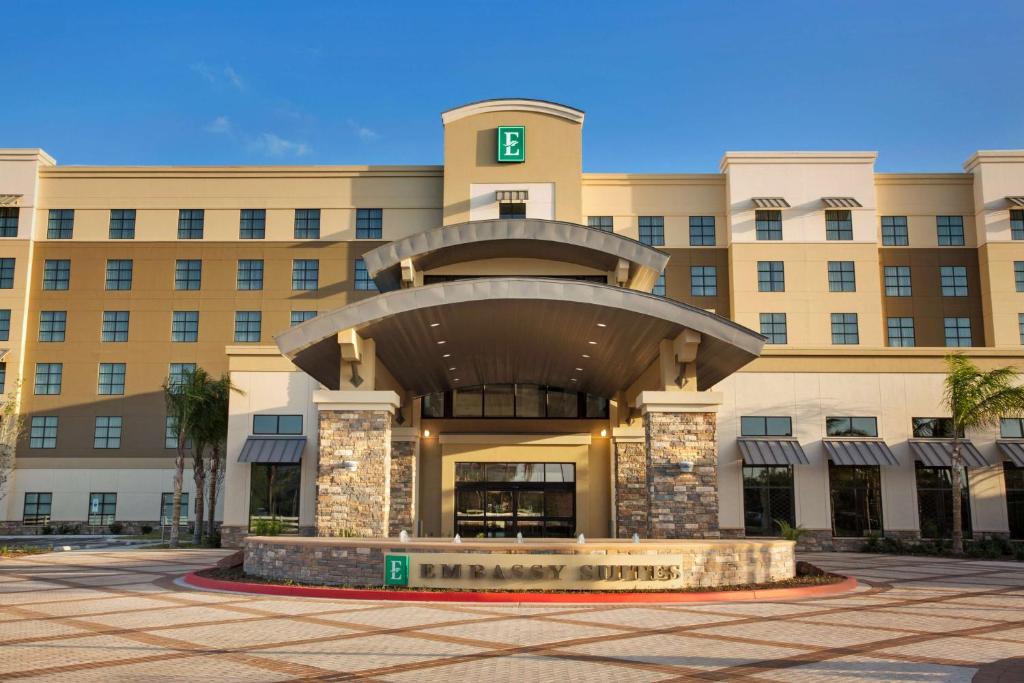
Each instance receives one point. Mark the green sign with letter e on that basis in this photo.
(396, 570)
(512, 144)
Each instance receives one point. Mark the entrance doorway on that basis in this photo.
(501, 499)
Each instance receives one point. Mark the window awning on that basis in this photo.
(1016, 201)
(840, 203)
(860, 452)
(511, 195)
(9, 199)
(758, 451)
(939, 452)
(276, 450)
(770, 203)
(1014, 450)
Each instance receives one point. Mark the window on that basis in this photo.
(771, 276)
(503, 499)
(1020, 326)
(307, 224)
(511, 210)
(115, 326)
(773, 326)
(894, 231)
(1017, 224)
(122, 224)
(178, 373)
(370, 223)
(167, 508)
(61, 224)
(276, 424)
(3, 376)
(652, 230)
(185, 326)
(37, 508)
(252, 224)
(6, 273)
(702, 231)
(107, 433)
(768, 224)
(838, 225)
(1018, 275)
(703, 281)
(119, 274)
(851, 426)
(841, 276)
(856, 494)
(171, 433)
(659, 286)
(56, 274)
(52, 325)
(274, 495)
(1013, 478)
(48, 378)
(518, 401)
(111, 381)
(299, 317)
(188, 274)
(250, 274)
(766, 426)
(901, 331)
(605, 223)
(933, 427)
(101, 508)
(190, 224)
(9, 221)
(43, 432)
(247, 326)
(935, 501)
(363, 282)
(958, 331)
(897, 281)
(305, 274)
(768, 499)
(953, 280)
(844, 328)
(5, 324)
(950, 230)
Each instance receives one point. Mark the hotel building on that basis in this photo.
(506, 344)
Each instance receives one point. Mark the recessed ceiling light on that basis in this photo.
(592, 342)
(456, 379)
(442, 342)
(451, 369)
(573, 379)
(434, 324)
(601, 325)
(585, 355)
(579, 369)
(447, 355)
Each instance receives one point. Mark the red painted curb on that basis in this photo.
(194, 579)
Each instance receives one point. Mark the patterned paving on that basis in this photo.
(119, 616)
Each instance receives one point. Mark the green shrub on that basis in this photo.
(790, 532)
(68, 528)
(116, 528)
(46, 530)
(871, 545)
(146, 529)
(266, 527)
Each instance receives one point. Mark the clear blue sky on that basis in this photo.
(667, 86)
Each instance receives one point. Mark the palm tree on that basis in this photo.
(185, 404)
(211, 430)
(975, 399)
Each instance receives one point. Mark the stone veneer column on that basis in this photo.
(631, 500)
(354, 468)
(402, 516)
(682, 463)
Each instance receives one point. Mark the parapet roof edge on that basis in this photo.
(513, 104)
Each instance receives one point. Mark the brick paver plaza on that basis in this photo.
(120, 615)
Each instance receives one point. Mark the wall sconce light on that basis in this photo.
(349, 465)
(604, 433)
(426, 433)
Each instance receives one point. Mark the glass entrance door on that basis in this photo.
(499, 500)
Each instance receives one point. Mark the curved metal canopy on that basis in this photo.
(581, 335)
(531, 238)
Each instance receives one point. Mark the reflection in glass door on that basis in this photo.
(499, 500)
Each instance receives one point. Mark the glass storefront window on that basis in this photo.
(562, 404)
(1013, 477)
(499, 400)
(529, 400)
(513, 401)
(501, 499)
(856, 494)
(851, 426)
(935, 502)
(274, 496)
(767, 499)
(468, 402)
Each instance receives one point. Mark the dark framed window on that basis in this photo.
(606, 223)
(3, 376)
(48, 378)
(307, 224)
(167, 508)
(957, 331)
(842, 276)
(56, 274)
(9, 221)
(1011, 428)
(773, 326)
(185, 326)
(760, 425)
(370, 223)
(894, 231)
(274, 495)
(60, 224)
(897, 281)
(950, 230)
(1018, 275)
(838, 224)
(845, 328)
(1013, 480)
(652, 230)
(1020, 326)
(171, 433)
(6, 273)
(250, 274)
(768, 224)
(111, 379)
(178, 373)
(188, 274)
(1017, 224)
(119, 275)
(115, 326)
(932, 427)
(190, 224)
(659, 286)
(768, 499)
(5, 324)
(771, 276)
(935, 501)
(37, 509)
(277, 424)
(305, 274)
(702, 231)
(511, 210)
(703, 281)
(43, 432)
(856, 495)
(102, 507)
(252, 224)
(851, 426)
(107, 433)
(502, 499)
(900, 331)
(953, 280)
(299, 317)
(122, 224)
(247, 326)
(514, 401)
(362, 280)
(52, 325)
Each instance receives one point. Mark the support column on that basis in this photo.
(631, 499)
(354, 469)
(404, 448)
(681, 462)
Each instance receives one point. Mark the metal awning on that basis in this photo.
(772, 451)
(770, 203)
(939, 452)
(840, 203)
(275, 450)
(860, 452)
(502, 196)
(1014, 450)
(1016, 201)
